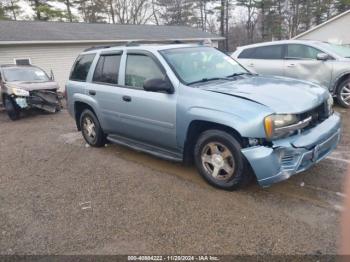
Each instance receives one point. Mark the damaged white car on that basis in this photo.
(26, 87)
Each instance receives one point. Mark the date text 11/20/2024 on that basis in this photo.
(173, 258)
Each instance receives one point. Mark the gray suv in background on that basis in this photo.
(323, 63)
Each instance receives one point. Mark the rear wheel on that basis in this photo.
(343, 93)
(219, 160)
(91, 129)
(12, 108)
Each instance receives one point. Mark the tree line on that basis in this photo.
(240, 21)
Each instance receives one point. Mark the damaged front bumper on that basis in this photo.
(49, 101)
(294, 154)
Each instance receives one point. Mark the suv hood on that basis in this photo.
(282, 95)
(31, 86)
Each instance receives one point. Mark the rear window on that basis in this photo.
(107, 69)
(81, 67)
(263, 52)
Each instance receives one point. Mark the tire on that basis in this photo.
(343, 93)
(91, 129)
(233, 173)
(12, 109)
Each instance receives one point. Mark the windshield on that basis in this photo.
(24, 74)
(340, 50)
(198, 64)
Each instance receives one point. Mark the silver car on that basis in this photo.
(323, 63)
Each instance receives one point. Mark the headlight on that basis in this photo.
(330, 103)
(19, 92)
(278, 125)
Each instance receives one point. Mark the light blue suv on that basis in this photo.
(193, 103)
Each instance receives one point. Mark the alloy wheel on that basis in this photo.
(345, 93)
(218, 161)
(89, 128)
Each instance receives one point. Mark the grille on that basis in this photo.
(318, 115)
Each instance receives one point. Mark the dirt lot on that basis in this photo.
(58, 196)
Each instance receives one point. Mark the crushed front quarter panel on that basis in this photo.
(45, 99)
(294, 154)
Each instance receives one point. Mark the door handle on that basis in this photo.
(92, 92)
(291, 65)
(251, 65)
(127, 98)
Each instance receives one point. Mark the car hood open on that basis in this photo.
(31, 86)
(282, 95)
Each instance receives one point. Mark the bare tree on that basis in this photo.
(131, 11)
(69, 5)
(252, 17)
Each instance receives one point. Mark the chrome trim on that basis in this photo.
(296, 126)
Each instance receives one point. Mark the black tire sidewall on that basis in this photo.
(239, 178)
(99, 141)
(338, 93)
(12, 112)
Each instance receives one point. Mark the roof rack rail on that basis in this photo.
(96, 47)
(177, 42)
(132, 43)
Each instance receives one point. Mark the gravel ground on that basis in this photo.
(58, 196)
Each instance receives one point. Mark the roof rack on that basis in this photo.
(177, 42)
(96, 47)
(129, 44)
(132, 43)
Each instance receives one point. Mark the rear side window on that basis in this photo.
(82, 67)
(302, 52)
(263, 52)
(247, 53)
(107, 69)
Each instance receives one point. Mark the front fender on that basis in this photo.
(251, 126)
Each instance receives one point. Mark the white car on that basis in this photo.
(323, 63)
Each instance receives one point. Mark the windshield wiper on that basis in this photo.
(227, 78)
(239, 74)
(203, 80)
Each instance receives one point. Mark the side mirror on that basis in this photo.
(322, 56)
(52, 76)
(158, 85)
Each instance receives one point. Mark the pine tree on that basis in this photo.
(342, 5)
(3, 15)
(69, 5)
(44, 10)
(92, 11)
(177, 12)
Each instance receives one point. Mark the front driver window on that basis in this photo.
(302, 52)
(140, 68)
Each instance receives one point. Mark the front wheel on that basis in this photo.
(343, 94)
(12, 108)
(91, 129)
(219, 160)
